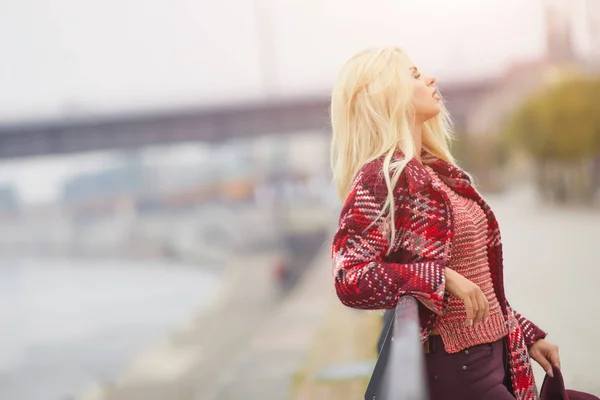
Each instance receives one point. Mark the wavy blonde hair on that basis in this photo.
(371, 118)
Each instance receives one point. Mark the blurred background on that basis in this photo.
(166, 205)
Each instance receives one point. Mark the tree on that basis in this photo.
(483, 155)
(558, 126)
(560, 123)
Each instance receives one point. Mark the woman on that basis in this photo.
(413, 224)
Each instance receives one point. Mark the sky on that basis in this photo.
(79, 57)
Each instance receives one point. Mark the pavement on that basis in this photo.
(267, 367)
(248, 347)
(186, 365)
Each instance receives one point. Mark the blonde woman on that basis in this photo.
(413, 224)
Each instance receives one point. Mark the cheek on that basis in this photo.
(421, 97)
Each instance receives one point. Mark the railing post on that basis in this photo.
(404, 377)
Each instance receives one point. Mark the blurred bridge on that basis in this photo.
(72, 135)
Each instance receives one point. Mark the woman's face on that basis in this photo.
(426, 100)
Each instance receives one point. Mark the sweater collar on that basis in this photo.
(418, 177)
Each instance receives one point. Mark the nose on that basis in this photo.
(431, 80)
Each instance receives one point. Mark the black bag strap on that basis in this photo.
(373, 391)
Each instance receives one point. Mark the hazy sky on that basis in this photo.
(88, 56)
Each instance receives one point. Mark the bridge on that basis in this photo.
(217, 124)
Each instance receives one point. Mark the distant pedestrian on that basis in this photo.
(413, 224)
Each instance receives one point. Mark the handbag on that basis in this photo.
(554, 389)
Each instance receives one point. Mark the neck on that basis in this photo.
(416, 133)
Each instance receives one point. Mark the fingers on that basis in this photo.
(470, 311)
(483, 310)
(477, 307)
(546, 354)
(554, 357)
(486, 314)
(543, 361)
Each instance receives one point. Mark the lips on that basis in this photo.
(436, 95)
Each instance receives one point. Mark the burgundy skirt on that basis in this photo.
(477, 373)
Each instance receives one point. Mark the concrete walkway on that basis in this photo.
(188, 364)
(249, 347)
(267, 367)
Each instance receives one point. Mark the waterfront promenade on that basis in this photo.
(257, 347)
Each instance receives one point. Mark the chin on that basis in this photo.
(434, 112)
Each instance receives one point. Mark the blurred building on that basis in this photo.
(564, 20)
(149, 181)
(559, 32)
(592, 11)
(562, 61)
(98, 194)
(10, 203)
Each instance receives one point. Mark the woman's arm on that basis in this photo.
(362, 278)
(531, 332)
(542, 351)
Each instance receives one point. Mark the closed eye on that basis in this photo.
(415, 72)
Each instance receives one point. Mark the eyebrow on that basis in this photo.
(414, 69)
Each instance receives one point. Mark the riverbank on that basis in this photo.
(251, 345)
(187, 363)
(68, 323)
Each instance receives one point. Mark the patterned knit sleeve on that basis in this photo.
(362, 278)
(531, 332)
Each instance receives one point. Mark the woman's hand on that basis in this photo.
(545, 354)
(471, 295)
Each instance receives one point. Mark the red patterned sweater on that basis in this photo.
(366, 278)
(469, 258)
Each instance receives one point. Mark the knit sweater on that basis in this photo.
(469, 258)
(366, 276)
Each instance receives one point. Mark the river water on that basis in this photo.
(67, 324)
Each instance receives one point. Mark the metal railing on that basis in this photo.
(399, 373)
(404, 377)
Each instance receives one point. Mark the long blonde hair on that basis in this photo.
(372, 116)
